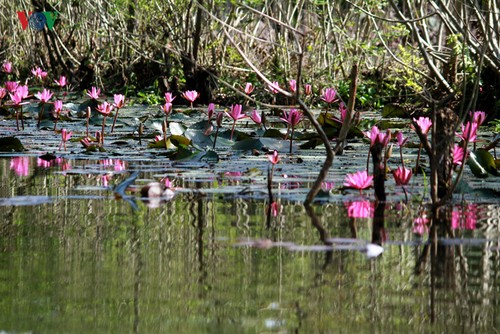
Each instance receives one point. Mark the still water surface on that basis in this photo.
(75, 259)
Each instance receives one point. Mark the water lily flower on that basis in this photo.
(275, 208)
(119, 100)
(376, 136)
(459, 155)
(65, 135)
(105, 108)
(469, 132)
(17, 103)
(16, 98)
(11, 86)
(401, 139)
(478, 117)
(360, 209)
(167, 108)
(402, 175)
(273, 87)
(169, 98)
(44, 96)
(210, 110)
(7, 67)
(191, 96)
(94, 93)
(58, 105)
(23, 91)
(343, 111)
(218, 121)
(424, 123)
(119, 103)
(61, 82)
(329, 95)
(249, 88)
(292, 118)
(359, 180)
(274, 158)
(39, 73)
(256, 117)
(236, 114)
(308, 89)
(3, 92)
(293, 85)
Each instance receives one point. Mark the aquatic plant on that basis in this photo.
(191, 96)
(236, 114)
(291, 118)
(359, 180)
(119, 103)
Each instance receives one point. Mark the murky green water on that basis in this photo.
(75, 259)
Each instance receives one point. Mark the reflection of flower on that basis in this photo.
(464, 217)
(20, 165)
(420, 225)
(360, 209)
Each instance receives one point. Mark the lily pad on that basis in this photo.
(10, 144)
(482, 163)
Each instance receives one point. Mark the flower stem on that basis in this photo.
(114, 120)
(102, 134)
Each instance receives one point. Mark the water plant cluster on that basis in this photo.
(50, 98)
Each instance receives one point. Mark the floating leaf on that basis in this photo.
(9, 144)
(481, 163)
(394, 110)
(176, 128)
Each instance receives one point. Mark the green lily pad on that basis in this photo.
(9, 144)
(482, 163)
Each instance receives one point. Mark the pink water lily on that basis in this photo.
(11, 86)
(401, 139)
(23, 91)
(166, 108)
(478, 117)
(119, 100)
(274, 158)
(105, 108)
(119, 103)
(16, 98)
(376, 136)
(459, 155)
(248, 88)
(469, 132)
(256, 117)
(236, 114)
(65, 136)
(44, 96)
(402, 176)
(191, 96)
(58, 105)
(169, 98)
(292, 118)
(343, 111)
(210, 110)
(3, 92)
(273, 87)
(359, 180)
(420, 225)
(293, 85)
(94, 93)
(307, 89)
(39, 73)
(424, 123)
(329, 95)
(61, 82)
(7, 67)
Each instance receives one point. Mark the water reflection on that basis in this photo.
(86, 261)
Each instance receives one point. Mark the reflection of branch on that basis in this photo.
(323, 233)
